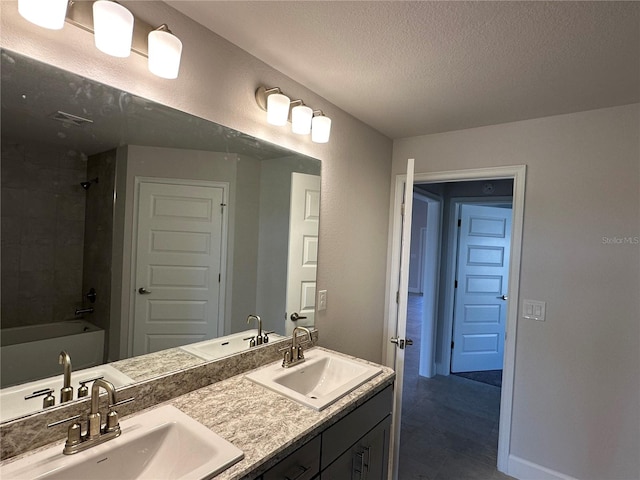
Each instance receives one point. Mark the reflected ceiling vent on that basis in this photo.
(69, 119)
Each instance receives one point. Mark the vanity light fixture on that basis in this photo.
(320, 127)
(112, 28)
(44, 13)
(304, 120)
(117, 32)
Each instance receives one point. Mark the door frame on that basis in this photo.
(420, 260)
(134, 247)
(443, 367)
(518, 174)
(431, 285)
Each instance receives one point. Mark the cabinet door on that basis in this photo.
(368, 459)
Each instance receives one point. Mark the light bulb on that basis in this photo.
(278, 109)
(165, 50)
(113, 28)
(301, 119)
(44, 13)
(320, 129)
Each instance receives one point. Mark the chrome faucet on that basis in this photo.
(66, 394)
(259, 340)
(94, 428)
(294, 354)
(96, 433)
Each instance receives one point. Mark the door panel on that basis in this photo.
(178, 263)
(303, 249)
(401, 327)
(482, 274)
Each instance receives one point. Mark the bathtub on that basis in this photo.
(31, 352)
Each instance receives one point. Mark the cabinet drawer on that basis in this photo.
(303, 464)
(340, 437)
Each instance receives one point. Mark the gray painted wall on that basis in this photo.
(217, 81)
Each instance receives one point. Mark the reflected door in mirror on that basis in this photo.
(303, 250)
(178, 264)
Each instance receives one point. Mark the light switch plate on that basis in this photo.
(322, 300)
(534, 310)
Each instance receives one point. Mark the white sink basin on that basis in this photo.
(14, 405)
(223, 346)
(322, 379)
(163, 443)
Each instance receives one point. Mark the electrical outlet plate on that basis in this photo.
(322, 300)
(534, 310)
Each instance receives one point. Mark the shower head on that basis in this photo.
(88, 183)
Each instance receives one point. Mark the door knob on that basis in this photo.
(295, 317)
(503, 297)
(401, 342)
(143, 291)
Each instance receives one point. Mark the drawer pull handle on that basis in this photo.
(302, 471)
(364, 458)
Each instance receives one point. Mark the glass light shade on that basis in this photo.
(44, 13)
(320, 129)
(301, 119)
(278, 109)
(165, 50)
(113, 28)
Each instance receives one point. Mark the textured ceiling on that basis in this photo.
(412, 68)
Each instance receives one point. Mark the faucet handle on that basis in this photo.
(265, 336)
(112, 422)
(65, 420)
(122, 402)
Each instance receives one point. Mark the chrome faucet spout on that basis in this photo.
(294, 354)
(66, 394)
(294, 341)
(257, 318)
(95, 394)
(94, 430)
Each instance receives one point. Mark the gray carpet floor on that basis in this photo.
(490, 377)
(449, 423)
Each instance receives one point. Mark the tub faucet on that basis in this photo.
(259, 337)
(294, 354)
(82, 311)
(66, 394)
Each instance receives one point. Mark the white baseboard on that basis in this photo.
(525, 470)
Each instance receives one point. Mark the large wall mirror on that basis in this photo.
(157, 228)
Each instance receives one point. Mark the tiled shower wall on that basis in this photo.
(43, 211)
(98, 237)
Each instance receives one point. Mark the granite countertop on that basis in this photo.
(266, 426)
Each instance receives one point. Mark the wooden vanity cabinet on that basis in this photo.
(355, 448)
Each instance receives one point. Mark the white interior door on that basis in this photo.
(481, 294)
(400, 340)
(302, 264)
(179, 251)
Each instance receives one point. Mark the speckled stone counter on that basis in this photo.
(31, 432)
(266, 426)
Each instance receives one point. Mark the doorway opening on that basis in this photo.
(496, 189)
(461, 242)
